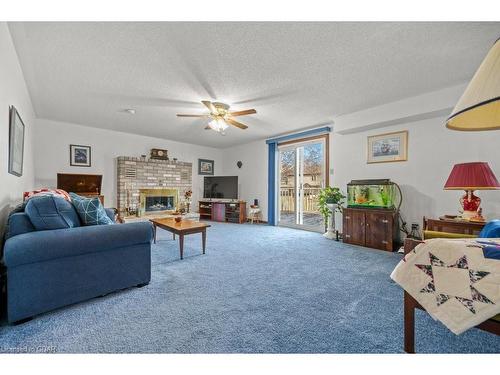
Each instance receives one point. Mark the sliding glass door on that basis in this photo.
(302, 174)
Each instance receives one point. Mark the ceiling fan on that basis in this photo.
(220, 117)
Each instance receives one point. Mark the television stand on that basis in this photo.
(223, 211)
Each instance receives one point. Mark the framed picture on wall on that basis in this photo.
(205, 167)
(80, 156)
(388, 147)
(16, 143)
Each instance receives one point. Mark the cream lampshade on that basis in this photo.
(479, 106)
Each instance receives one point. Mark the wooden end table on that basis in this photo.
(453, 226)
(181, 228)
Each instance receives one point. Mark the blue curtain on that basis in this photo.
(271, 183)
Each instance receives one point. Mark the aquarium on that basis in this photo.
(373, 194)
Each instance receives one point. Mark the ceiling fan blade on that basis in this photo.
(209, 105)
(236, 123)
(178, 115)
(207, 127)
(243, 113)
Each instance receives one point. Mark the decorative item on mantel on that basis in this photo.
(158, 153)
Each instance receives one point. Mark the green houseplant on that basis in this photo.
(330, 196)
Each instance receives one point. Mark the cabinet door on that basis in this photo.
(354, 227)
(219, 212)
(379, 230)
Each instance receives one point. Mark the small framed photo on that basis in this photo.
(16, 143)
(205, 167)
(389, 147)
(80, 156)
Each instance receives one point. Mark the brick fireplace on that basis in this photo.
(151, 186)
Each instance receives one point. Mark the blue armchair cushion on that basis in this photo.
(48, 212)
(90, 210)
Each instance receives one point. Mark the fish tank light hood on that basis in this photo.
(374, 193)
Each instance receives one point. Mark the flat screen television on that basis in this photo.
(220, 187)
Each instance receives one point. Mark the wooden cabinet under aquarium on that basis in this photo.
(376, 228)
(371, 218)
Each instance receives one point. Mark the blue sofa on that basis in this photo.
(48, 269)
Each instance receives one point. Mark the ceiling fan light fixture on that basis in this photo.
(218, 124)
(220, 118)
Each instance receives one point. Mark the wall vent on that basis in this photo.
(130, 173)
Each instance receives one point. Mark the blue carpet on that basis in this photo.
(259, 289)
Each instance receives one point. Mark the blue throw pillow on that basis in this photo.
(48, 212)
(90, 210)
(491, 230)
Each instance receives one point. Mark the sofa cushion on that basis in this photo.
(48, 212)
(90, 210)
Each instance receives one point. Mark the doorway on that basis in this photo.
(303, 172)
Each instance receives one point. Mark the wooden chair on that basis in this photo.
(254, 214)
(410, 304)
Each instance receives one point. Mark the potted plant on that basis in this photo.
(330, 201)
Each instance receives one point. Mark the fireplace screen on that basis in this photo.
(159, 203)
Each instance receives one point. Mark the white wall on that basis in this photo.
(252, 177)
(13, 91)
(52, 149)
(432, 151)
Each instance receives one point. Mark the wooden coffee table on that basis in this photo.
(182, 228)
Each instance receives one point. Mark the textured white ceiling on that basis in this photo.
(297, 75)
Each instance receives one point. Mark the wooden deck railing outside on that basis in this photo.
(287, 199)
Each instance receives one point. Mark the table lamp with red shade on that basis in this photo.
(470, 177)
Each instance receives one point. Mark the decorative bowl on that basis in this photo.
(178, 219)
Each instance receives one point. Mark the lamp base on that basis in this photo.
(470, 204)
(467, 215)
